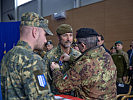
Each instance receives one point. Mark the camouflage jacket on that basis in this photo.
(54, 56)
(41, 53)
(23, 75)
(92, 77)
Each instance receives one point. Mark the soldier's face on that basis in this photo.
(100, 42)
(66, 40)
(49, 47)
(41, 39)
(119, 46)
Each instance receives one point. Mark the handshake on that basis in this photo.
(64, 57)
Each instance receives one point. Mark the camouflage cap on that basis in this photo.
(33, 19)
(64, 28)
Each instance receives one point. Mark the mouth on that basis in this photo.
(68, 42)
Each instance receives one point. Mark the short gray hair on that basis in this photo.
(90, 42)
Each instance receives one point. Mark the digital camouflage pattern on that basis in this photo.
(93, 77)
(33, 19)
(20, 69)
(40, 52)
(54, 56)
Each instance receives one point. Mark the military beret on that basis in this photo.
(64, 28)
(33, 19)
(48, 42)
(113, 47)
(86, 32)
(118, 42)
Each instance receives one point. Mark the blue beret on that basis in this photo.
(86, 32)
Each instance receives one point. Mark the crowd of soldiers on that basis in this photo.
(89, 73)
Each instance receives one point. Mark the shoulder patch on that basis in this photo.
(42, 80)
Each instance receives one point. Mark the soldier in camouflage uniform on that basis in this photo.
(23, 75)
(49, 45)
(92, 75)
(65, 35)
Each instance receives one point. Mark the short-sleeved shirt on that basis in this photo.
(92, 77)
(23, 75)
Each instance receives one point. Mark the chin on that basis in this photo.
(67, 46)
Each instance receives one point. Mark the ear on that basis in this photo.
(35, 32)
(83, 47)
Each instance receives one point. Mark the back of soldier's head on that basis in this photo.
(88, 36)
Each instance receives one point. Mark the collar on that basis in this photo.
(92, 52)
(60, 51)
(24, 44)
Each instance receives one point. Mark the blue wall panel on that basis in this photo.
(9, 35)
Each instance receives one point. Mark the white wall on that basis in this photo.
(86, 2)
(42, 7)
(54, 6)
(33, 6)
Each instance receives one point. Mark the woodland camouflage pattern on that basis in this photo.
(19, 70)
(54, 56)
(93, 77)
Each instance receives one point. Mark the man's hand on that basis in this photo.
(54, 66)
(64, 57)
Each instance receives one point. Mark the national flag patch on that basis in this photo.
(42, 80)
(65, 77)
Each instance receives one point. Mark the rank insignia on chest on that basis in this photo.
(42, 80)
(65, 77)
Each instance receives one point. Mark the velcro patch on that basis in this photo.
(42, 80)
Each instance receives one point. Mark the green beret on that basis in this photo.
(118, 42)
(64, 28)
(33, 19)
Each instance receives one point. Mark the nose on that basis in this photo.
(68, 37)
(45, 40)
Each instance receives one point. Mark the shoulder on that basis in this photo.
(124, 53)
(51, 53)
(20, 54)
